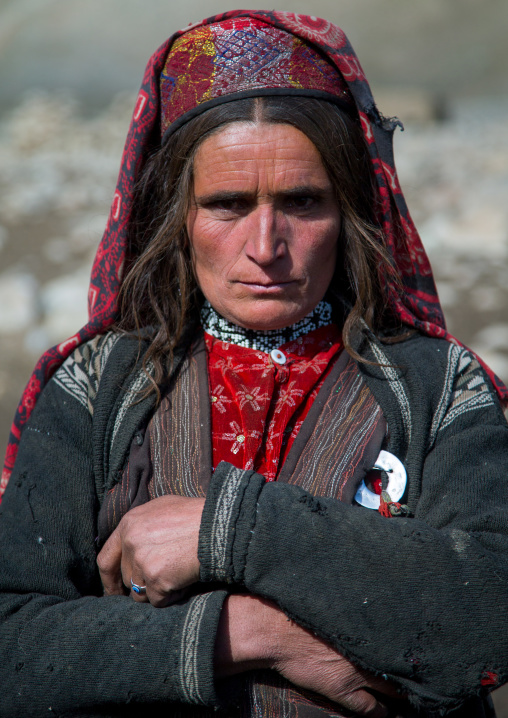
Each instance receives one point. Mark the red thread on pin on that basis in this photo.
(489, 678)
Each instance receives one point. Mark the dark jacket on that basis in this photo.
(423, 600)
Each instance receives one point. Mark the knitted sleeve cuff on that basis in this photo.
(228, 519)
(195, 649)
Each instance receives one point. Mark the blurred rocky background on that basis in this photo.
(69, 71)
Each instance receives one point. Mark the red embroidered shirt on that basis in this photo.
(258, 404)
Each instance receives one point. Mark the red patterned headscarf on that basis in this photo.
(242, 57)
(237, 54)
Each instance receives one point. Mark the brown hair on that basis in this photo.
(160, 291)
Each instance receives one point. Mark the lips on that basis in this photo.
(267, 288)
(266, 284)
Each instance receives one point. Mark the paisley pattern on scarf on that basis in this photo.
(241, 55)
(315, 29)
(414, 301)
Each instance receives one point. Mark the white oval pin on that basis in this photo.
(397, 480)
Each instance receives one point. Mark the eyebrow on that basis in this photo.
(225, 195)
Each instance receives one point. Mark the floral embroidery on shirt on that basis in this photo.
(219, 400)
(250, 397)
(258, 404)
(239, 436)
(289, 396)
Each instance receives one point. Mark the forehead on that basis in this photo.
(264, 154)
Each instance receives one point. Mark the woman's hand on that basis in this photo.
(310, 663)
(154, 545)
(254, 633)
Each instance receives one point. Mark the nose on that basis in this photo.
(266, 240)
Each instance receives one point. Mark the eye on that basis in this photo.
(226, 207)
(301, 203)
(230, 205)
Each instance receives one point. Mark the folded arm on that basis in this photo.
(63, 645)
(422, 600)
(156, 543)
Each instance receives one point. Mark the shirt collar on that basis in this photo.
(220, 328)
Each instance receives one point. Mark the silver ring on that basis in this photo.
(140, 590)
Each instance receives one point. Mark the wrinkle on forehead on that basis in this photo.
(245, 157)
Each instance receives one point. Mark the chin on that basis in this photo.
(268, 317)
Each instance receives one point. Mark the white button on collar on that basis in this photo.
(278, 356)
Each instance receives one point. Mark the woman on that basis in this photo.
(278, 329)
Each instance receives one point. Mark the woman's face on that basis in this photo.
(264, 224)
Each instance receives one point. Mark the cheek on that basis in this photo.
(317, 245)
(204, 237)
(211, 251)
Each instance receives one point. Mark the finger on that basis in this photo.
(159, 600)
(109, 563)
(381, 685)
(360, 679)
(364, 703)
(138, 590)
(134, 579)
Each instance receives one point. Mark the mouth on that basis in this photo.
(266, 284)
(267, 287)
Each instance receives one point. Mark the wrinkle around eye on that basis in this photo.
(301, 203)
(306, 206)
(231, 205)
(225, 208)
